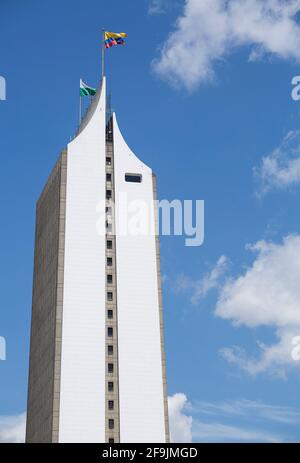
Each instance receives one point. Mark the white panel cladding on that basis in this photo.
(82, 393)
(140, 365)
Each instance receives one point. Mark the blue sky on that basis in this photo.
(207, 104)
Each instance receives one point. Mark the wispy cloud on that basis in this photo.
(229, 421)
(200, 288)
(157, 6)
(12, 428)
(250, 409)
(220, 433)
(280, 169)
(208, 31)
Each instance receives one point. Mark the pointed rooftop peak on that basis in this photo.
(98, 104)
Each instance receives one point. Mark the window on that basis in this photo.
(108, 210)
(110, 350)
(110, 405)
(111, 440)
(110, 368)
(108, 194)
(108, 161)
(109, 261)
(134, 178)
(109, 244)
(108, 226)
(110, 314)
(109, 279)
(108, 177)
(110, 386)
(110, 332)
(111, 424)
(109, 296)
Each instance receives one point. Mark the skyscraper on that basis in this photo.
(97, 361)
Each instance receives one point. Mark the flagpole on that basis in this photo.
(103, 49)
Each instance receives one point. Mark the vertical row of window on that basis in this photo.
(110, 316)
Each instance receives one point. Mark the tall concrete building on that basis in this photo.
(97, 362)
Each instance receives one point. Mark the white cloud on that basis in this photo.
(267, 294)
(281, 168)
(12, 429)
(208, 31)
(180, 423)
(269, 291)
(200, 288)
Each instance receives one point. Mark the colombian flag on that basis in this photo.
(114, 38)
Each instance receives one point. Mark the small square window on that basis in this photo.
(110, 314)
(110, 368)
(109, 261)
(109, 244)
(110, 386)
(111, 405)
(110, 350)
(108, 177)
(111, 440)
(111, 424)
(109, 279)
(110, 332)
(108, 210)
(108, 194)
(108, 161)
(109, 296)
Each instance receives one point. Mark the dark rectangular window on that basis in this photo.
(109, 244)
(110, 313)
(109, 261)
(111, 424)
(109, 296)
(108, 177)
(110, 332)
(110, 368)
(111, 405)
(111, 440)
(110, 386)
(109, 279)
(134, 178)
(108, 194)
(110, 350)
(108, 161)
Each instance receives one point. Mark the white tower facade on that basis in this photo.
(97, 361)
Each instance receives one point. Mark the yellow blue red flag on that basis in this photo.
(114, 38)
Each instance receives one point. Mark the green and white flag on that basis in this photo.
(85, 90)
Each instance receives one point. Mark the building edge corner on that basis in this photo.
(161, 315)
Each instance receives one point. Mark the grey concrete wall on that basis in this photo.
(47, 303)
(161, 318)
